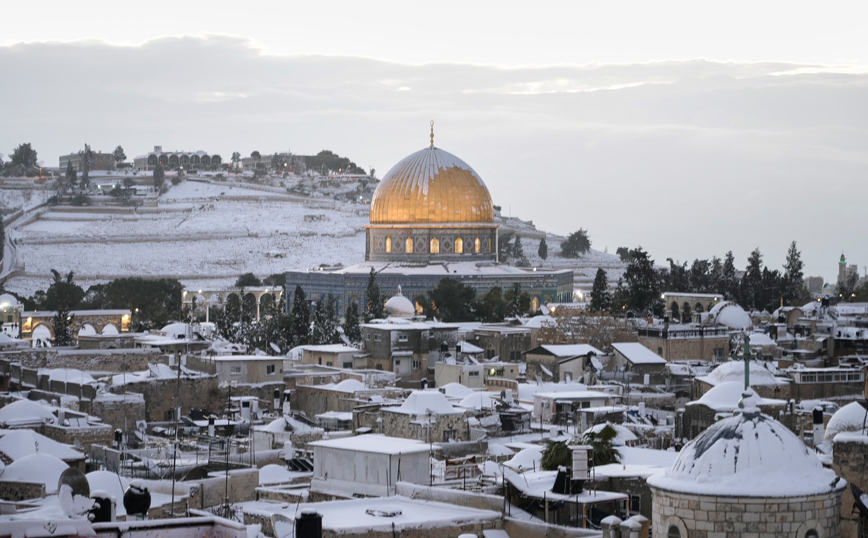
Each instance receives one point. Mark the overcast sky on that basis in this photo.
(688, 128)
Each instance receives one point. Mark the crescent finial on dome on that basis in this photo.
(432, 134)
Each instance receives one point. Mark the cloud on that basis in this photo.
(688, 158)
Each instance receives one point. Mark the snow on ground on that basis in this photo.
(206, 234)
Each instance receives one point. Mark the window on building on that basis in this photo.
(415, 365)
(408, 245)
(435, 245)
(367, 336)
(459, 245)
(378, 338)
(329, 363)
(635, 504)
(673, 532)
(397, 362)
(660, 351)
(379, 367)
(388, 245)
(447, 435)
(477, 246)
(348, 365)
(474, 373)
(812, 534)
(235, 370)
(269, 369)
(718, 353)
(402, 337)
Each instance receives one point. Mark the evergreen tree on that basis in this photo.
(729, 279)
(71, 176)
(300, 318)
(752, 282)
(60, 324)
(601, 298)
(686, 313)
(576, 244)
(324, 328)
(492, 308)
(452, 300)
(623, 253)
(159, 176)
(504, 246)
(642, 283)
(543, 250)
(374, 298)
(119, 155)
(351, 323)
(794, 277)
(517, 248)
(62, 296)
(715, 275)
(516, 302)
(700, 276)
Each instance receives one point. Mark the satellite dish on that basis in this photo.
(76, 481)
(73, 493)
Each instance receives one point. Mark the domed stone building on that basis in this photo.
(747, 475)
(432, 217)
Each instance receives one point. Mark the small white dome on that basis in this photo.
(399, 306)
(749, 455)
(730, 315)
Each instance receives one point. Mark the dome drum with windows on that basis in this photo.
(431, 206)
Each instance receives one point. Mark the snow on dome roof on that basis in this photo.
(747, 455)
(399, 306)
(850, 418)
(69, 375)
(456, 390)
(421, 401)
(7, 299)
(623, 436)
(725, 397)
(24, 410)
(527, 458)
(760, 339)
(731, 315)
(734, 371)
(275, 474)
(477, 400)
(349, 385)
(40, 468)
(17, 444)
(431, 186)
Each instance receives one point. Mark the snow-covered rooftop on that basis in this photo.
(724, 397)
(374, 443)
(734, 371)
(570, 350)
(421, 402)
(637, 353)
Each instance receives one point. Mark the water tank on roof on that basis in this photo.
(308, 524)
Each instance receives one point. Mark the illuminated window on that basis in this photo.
(477, 246)
(408, 245)
(459, 245)
(435, 245)
(388, 245)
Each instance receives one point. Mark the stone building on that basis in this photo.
(426, 416)
(746, 476)
(195, 160)
(546, 361)
(686, 342)
(504, 341)
(98, 161)
(432, 217)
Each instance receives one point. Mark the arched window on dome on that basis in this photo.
(388, 245)
(435, 245)
(408, 245)
(459, 245)
(477, 246)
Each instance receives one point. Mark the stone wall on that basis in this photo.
(84, 437)
(117, 411)
(677, 349)
(21, 491)
(850, 462)
(409, 427)
(212, 490)
(707, 516)
(193, 392)
(114, 360)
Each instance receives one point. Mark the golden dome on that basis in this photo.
(431, 186)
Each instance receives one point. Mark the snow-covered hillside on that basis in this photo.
(206, 234)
